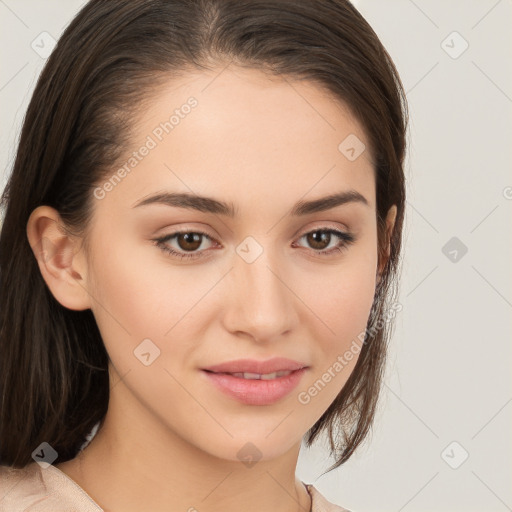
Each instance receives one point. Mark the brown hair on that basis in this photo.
(54, 383)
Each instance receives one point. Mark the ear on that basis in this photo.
(390, 224)
(61, 262)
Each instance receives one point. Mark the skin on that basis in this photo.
(170, 440)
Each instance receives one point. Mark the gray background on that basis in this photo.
(448, 375)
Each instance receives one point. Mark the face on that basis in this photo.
(276, 279)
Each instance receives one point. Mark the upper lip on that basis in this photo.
(254, 366)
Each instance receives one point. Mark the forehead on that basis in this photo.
(239, 133)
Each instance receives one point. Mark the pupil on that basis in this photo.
(192, 241)
(319, 237)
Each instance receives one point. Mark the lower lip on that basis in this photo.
(256, 391)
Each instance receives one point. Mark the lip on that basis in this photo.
(254, 366)
(255, 391)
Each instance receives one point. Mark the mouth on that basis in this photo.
(256, 376)
(255, 388)
(253, 368)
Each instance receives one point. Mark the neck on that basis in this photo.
(125, 468)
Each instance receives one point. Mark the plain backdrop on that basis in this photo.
(441, 440)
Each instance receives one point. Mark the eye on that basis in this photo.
(187, 241)
(320, 239)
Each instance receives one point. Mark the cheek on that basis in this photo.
(342, 305)
(139, 296)
(348, 302)
(342, 296)
(132, 300)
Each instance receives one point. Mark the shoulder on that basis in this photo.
(36, 489)
(320, 503)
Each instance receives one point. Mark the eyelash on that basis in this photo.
(346, 238)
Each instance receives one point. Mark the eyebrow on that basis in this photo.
(211, 205)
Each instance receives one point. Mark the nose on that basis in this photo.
(260, 301)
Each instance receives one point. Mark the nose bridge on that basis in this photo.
(261, 303)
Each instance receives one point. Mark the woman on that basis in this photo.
(201, 240)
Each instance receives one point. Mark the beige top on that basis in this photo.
(33, 489)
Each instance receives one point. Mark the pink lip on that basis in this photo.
(255, 391)
(253, 366)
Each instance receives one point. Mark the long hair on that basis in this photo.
(54, 383)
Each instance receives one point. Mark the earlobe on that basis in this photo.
(390, 224)
(60, 260)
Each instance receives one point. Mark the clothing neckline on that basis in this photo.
(79, 488)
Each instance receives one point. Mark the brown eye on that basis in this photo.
(183, 244)
(189, 241)
(319, 240)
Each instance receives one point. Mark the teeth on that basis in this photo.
(264, 376)
(268, 376)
